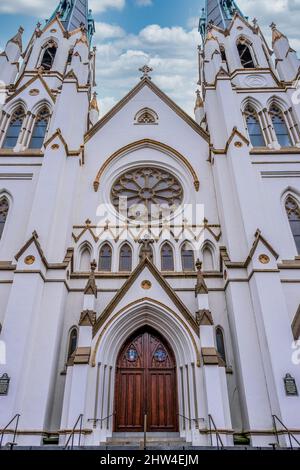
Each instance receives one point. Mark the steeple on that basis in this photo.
(219, 13)
(73, 14)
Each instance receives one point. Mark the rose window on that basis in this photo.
(147, 192)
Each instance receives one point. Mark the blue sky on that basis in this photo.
(162, 33)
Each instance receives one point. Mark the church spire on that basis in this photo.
(74, 14)
(219, 13)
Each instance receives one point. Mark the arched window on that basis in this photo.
(49, 56)
(167, 258)
(293, 212)
(220, 343)
(4, 207)
(40, 129)
(187, 258)
(14, 128)
(245, 55)
(125, 258)
(280, 127)
(224, 57)
(254, 127)
(208, 261)
(105, 259)
(85, 260)
(72, 346)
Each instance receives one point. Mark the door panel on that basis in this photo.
(146, 383)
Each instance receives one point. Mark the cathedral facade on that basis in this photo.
(149, 261)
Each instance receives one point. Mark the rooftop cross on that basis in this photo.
(145, 71)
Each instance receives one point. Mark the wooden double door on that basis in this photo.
(146, 385)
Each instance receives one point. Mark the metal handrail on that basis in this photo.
(191, 420)
(289, 433)
(100, 420)
(219, 440)
(79, 420)
(16, 417)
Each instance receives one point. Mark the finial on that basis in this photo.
(21, 30)
(146, 249)
(255, 22)
(275, 33)
(199, 101)
(200, 287)
(91, 287)
(94, 102)
(93, 265)
(145, 71)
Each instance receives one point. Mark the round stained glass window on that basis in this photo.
(132, 355)
(145, 193)
(160, 355)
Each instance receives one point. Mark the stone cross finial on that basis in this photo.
(146, 250)
(273, 25)
(201, 287)
(145, 71)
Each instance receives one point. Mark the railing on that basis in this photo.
(71, 437)
(100, 420)
(288, 432)
(218, 436)
(13, 443)
(191, 420)
(145, 430)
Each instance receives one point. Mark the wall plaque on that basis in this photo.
(4, 384)
(290, 386)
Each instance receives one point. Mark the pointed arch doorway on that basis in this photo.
(146, 384)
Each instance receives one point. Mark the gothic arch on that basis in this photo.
(105, 258)
(187, 261)
(246, 52)
(50, 44)
(209, 250)
(146, 143)
(123, 323)
(5, 208)
(115, 332)
(83, 264)
(291, 207)
(146, 116)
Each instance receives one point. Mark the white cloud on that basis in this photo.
(171, 52)
(108, 31)
(43, 8)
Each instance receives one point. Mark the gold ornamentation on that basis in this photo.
(29, 260)
(53, 31)
(55, 147)
(264, 259)
(146, 143)
(34, 92)
(238, 144)
(146, 285)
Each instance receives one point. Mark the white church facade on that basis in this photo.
(150, 262)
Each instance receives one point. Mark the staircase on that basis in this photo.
(157, 440)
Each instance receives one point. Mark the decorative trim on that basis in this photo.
(146, 263)
(87, 318)
(146, 143)
(235, 132)
(58, 134)
(82, 356)
(147, 82)
(296, 325)
(204, 318)
(29, 83)
(210, 356)
(258, 237)
(34, 239)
